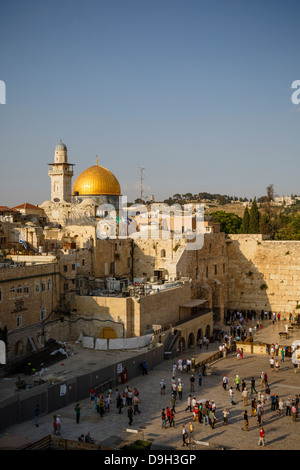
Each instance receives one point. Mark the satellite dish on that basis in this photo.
(34, 220)
(56, 199)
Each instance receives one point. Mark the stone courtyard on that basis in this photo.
(109, 431)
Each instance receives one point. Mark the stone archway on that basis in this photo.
(108, 333)
(191, 340)
(207, 331)
(19, 348)
(181, 344)
(199, 334)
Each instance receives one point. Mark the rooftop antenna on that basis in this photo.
(142, 177)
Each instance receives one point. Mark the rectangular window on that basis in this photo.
(66, 286)
(26, 291)
(112, 268)
(206, 271)
(224, 268)
(73, 267)
(19, 320)
(49, 284)
(43, 286)
(83, 261)
(37, 287)
(65, 268)
(19, 291)
(216, 269)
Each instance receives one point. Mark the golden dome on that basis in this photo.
(95, 181)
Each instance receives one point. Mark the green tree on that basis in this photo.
(245, 221)
(264, 225)
(290, 228)
(254, 218)
(229, 222)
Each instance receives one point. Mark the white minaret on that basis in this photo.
(61, 173)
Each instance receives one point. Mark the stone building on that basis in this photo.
(126, 273)
(29, 296)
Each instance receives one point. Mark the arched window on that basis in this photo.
(163, 253)
(12, 292)
(19, 291)
(26, 291)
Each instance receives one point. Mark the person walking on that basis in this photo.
(245, 397)
(130, 415)
(231, 394)
(261, 440)
(172, 419)
(184, 436)
(225, 416)
(136, 405)
(200, 378)
(237, 383)
(163, 419)
(189, 403)
(253, 389)
(192, 383)
(246, 421)
(273, 402)
(58, 425)
(54, 424)
(191, 429)
(212, 418)
(280, 407)
(173, 403)
(294, 412)
(180, 389)
(162, 387)
(77, 410)
(259, 413)
(36, 414)
(288, 407)
(205, 413)
(225, 382)
(119, 404)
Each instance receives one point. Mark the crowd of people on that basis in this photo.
(204, 411)
(128, 398)
(207, 412)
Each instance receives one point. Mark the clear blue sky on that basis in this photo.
(197, 92)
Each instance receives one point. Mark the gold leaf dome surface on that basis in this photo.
(96, 180)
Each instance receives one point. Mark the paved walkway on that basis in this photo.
(281, 432)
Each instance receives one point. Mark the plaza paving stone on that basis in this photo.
(281, 432)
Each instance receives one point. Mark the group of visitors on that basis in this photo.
(232, 315)
(128, 398)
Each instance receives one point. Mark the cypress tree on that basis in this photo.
(254, 218)
(245, 221)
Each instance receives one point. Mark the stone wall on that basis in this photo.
(136, 315)
(263, 274)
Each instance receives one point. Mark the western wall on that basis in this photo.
(263, 274)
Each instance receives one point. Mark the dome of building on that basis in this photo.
(61, 146)
(95, 181)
